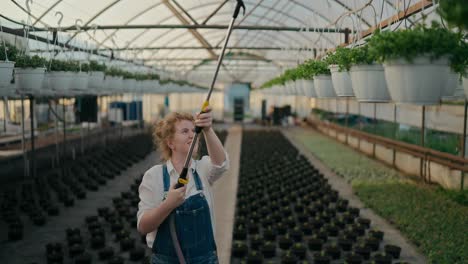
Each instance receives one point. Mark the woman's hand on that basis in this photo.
(205, 119)
(175, 197)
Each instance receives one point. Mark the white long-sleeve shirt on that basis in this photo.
(151, 190)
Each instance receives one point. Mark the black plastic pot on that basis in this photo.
(315, 244)
(299, 250)
(296, 234)
(289, 258)
(345, 244)
(239, 250)
(254, 257)
(137, 253)
(127, 244)
(97, 242)
(354, 259)
(363, 251)
(256, 242)
(75, 250)
(285, 242)
(84, 258)
(376, 234)
(333, 251)
(268, 250)
(372, 243)
(382, 259)
(393, 251)
(269, 234)
(321, 259)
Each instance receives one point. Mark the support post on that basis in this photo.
(423, 124)
(462, 181)
(32, 168)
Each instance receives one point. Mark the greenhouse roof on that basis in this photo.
(183, 38)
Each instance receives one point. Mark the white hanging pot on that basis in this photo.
(341, 81)
(61, 80)
(96, 80)
(300, 87)
(451, 84)
(309, 88)
(114, 84)
(368, 82)
(6, 73)
(290, 88)
(46, 89)
(80, 81)
(129, 85)
(420, 82)
(324, 86)
(29, 79)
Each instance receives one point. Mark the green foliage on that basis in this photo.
(11, 52)
(435, 42)
(60, 65)
(361, 55)
(455, 12)
(25, 61)
(341, 57)
(307, 71)
(96, 66)
(115, 72)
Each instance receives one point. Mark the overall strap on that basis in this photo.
(198, 182)
(166, 180)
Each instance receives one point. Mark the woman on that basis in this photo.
(191, 206)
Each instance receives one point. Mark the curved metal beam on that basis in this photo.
(130, 20)
(93, 18)
(29, 13)
(46, 12)
(349, 9)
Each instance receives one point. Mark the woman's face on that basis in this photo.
(183, 136)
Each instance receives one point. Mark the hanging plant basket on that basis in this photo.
(60, 81)
(307, 87)
(451, 84)
(29, 79)
(114, 83)
(369, 84)
(341, 81)
(129, 85)
(80, 81)
(6, 73)
(324, 86)
(419, 82)
(96, 80)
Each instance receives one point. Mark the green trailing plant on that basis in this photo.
(434, 41)
(60, 65)
(341, 57)
(11, 52)
(455, 12)
(96, 66)
(115, 72)
(361, 55)
(26, 61)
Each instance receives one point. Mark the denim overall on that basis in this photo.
(193, 228)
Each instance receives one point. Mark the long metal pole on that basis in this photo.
(64, 143)
(183, 176)
(423, 124)
(23, 140)
(32, 169)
